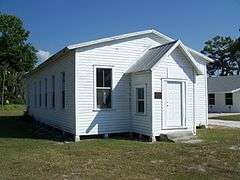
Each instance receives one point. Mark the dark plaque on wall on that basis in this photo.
(158, 95)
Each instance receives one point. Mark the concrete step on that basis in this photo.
(186, 138)
(178, 136)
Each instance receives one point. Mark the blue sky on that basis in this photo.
(56, 23)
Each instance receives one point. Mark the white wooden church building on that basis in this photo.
(142, 82)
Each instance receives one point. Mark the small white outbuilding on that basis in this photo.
(224, 94)
(142, 82)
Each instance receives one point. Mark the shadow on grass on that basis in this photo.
(23, 127)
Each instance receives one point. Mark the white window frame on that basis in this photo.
(95, 108)
(145, 99)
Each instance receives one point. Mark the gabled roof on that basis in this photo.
(135, 34)
(224, 84)
(155, 54)
(115, 38)
(150, 58)
(119, 37)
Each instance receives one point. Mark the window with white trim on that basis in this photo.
(140, 100)
(104, 88)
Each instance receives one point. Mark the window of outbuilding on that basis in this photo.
(228, 99)
(211, 99)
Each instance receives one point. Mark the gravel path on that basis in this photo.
(221, 114)
(234, 124)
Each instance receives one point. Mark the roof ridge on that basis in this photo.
(117, 37)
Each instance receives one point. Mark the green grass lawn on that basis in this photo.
(25, 155)
(227, 118)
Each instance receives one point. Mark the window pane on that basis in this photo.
(35, 95)
(63, 99)
(103, 98)
(46, 98)
(40, 100)
(99, 77)
(140, 100)
(211, 99)
(228, 99)
(53, 99)
(141, 106)
(63, 80)
(53, 91)
(229, 102)
(45, 85)
(53, 83)
(107, 77)
(63, 89)
(140, 93)
(40, 95)
(228, 95)
(211, 95)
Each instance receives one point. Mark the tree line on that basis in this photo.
(18, 57)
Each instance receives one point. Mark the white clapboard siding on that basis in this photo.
(80, 117)
(142, 123)
(58, 117)
(121, 56)
(201, 104)
(175, 66)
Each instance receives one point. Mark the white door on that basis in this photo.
(174, 104)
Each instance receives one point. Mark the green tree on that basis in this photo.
(235, 54)
(219, 49)
(17, 57)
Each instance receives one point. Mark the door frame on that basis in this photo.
(164, 103)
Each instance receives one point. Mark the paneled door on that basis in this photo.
(174, 104)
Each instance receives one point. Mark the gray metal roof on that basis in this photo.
(151, 57)
(114, 38)
(223, 84)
